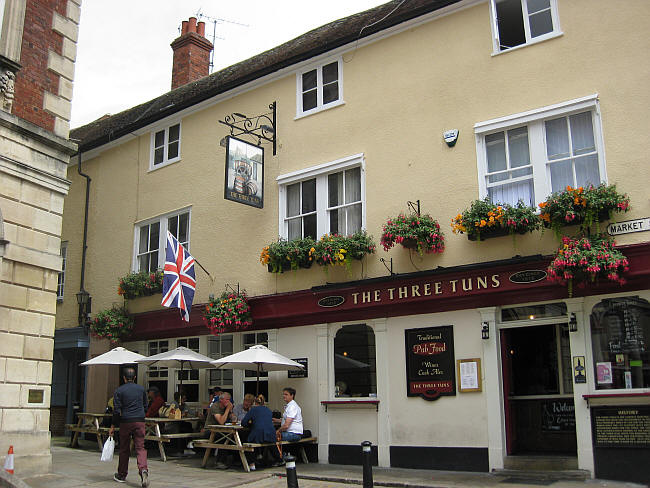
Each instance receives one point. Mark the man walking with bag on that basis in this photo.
(130, 402)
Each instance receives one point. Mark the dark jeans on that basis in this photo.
(135, 430)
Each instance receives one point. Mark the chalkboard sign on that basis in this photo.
(625, 426)
(299, 373)
(558, 416)
(430, 371)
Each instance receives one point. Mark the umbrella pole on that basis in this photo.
(180, 388)
(257, 385)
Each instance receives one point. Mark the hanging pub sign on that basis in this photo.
(244, 173)
(430, 371)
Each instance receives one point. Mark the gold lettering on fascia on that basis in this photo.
(473, 284)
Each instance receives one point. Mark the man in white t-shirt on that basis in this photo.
(291, 428)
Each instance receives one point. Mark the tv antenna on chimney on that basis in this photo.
(214, 21)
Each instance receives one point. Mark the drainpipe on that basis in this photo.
(84, 308)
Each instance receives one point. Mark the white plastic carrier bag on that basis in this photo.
(109, 448)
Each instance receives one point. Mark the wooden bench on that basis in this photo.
(88, 423)
(300, 443)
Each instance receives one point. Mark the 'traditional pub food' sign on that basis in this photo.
(430, 362)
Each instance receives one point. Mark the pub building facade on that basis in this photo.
(470, 359)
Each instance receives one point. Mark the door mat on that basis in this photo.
(528, 481)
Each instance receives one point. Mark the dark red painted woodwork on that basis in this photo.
(301, 307)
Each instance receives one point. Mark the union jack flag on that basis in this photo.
(179, 282)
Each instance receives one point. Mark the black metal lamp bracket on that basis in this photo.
(261, 126)
(414, 206)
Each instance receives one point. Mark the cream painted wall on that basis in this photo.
(399, 97)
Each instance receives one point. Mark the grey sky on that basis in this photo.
(124, 58)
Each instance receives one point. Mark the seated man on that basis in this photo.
(220, 413)
(291, 427)
(155, 402)
(243, 408)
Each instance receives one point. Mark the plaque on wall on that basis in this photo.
(430, 371)
(299, 373)
(625, 426)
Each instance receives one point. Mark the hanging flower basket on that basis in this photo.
(485, 219)
(335, 249)
(582, 206)
(419, 232)
(583, 260)
(284, 255)
(113, 324)
(229, 312)
(142, 284)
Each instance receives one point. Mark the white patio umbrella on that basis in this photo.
(118, 355)
(178, 357)
(258, 358)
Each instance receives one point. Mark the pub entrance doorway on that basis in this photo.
(538, 390)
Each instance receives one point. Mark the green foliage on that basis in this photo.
(336, 249)
(229, 312)
(419, 231)
(484, 217)
(140, 284)
(283, 254)
(113, 324)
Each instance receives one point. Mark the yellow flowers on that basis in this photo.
(265, 256)
(340, 256)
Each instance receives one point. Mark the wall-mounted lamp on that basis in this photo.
(573, 323)
(84, 300)
(485, 331)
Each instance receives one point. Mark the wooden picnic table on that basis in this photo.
(153, 432)
(89, 423)
(224, 437)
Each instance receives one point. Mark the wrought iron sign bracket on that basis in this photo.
(232, 289)
(390, 270)
(261, 126)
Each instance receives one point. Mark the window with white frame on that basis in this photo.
(519, 22)
(319, 88)
(189, 375)
(355, 365)
(530, 155)
(219, 347)
(157, 376)
(61, 278)
(165, 146)
(250, 377)
(324, 199)
(151, 235)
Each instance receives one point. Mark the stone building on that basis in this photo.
(37, 55)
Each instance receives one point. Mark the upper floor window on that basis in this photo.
(530, 155)
(61, 279)
(324, 199)
(518, 22)
(165, 146)
(150, 239)
(319, 88)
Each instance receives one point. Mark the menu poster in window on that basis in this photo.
(604, 373)
(299, 373)
(244, 173)
(430, 371)
(469, 375)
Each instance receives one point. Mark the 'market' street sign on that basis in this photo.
(628, 227)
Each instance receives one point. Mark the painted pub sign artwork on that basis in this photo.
(244, 173)
(430, 371)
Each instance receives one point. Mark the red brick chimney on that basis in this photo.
(191, 54)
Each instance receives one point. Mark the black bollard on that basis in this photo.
(366, 459)
(292, 477)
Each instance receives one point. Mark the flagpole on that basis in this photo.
(206, 271)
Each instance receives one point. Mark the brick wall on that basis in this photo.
(43, 88)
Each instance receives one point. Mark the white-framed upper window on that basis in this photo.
(328, 198)
(219, 347)
(527, 156)
(61, 278)
(519, 22)
(165, 146)
(319, 87)
(151, 239)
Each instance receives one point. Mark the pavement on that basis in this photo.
(81, 467)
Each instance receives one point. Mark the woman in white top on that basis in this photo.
(291, 428)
